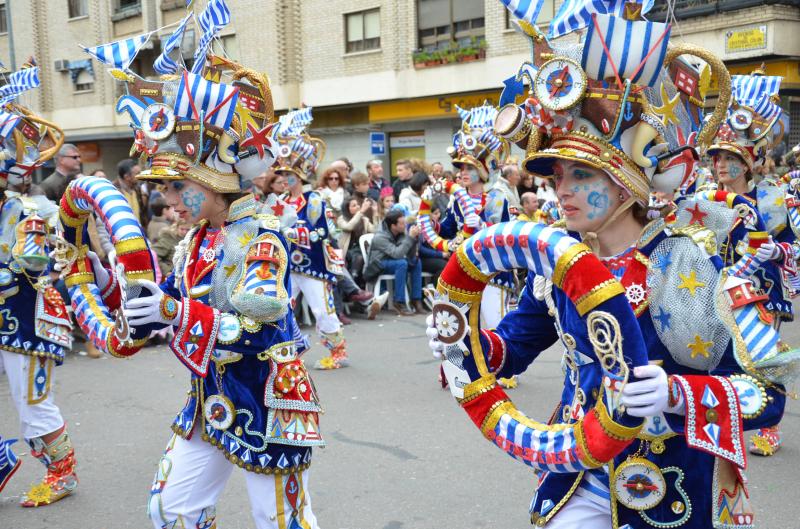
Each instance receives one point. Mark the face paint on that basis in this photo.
(291, 180)
(585, 195)
(193, 200)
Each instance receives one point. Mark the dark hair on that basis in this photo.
(157, 206)
(418, 182)
(125, 167)
(392, 217)
(346, 209)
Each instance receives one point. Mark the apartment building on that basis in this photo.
(383, 77)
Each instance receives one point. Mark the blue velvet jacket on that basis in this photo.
(250, 395)
(307, 255)
(674, 443)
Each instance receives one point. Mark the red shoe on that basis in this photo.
(360, 296)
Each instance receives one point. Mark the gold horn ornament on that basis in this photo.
(710, 127)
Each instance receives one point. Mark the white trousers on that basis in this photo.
(494, 305)
(319, 296)
(582, 513)
(31, 384)
(192, 474)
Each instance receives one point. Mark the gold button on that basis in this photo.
(173, 163)
(541, 521)
(678, 507)
(194, 339)
(712, 415)
(606, 156)
(238, 431)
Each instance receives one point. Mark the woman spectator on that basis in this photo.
(159, 221)
(411, 197)
(274, 184)
(354, 223)
(331, 189)
(385, 204)
(526, 184)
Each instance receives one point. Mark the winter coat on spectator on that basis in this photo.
(164, 247)
(410, 200)
(347, 227)
(154, 228)
(386, 245)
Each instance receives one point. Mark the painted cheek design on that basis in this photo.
(193, 201)
(735, 171)
(599, 202)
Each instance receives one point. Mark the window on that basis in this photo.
(84, 81)
(77, 8)
(127, 4)
(3, 19)
(363, 30)
(442, 21)
(545, 16)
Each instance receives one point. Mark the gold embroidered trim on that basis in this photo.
(599, 294)
(475, 389)
(469, 267)
(566, 261)
(614, 429)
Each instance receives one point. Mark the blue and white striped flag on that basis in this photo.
(481, 117)
(164, 64)
(527, 10)
(118, 54)
(18, 82)
(293, 123)
(215, 101)
(577, 14)
(636, 49)
(755, 91)
(7, 123)
(214, 17)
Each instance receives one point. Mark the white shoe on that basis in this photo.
(377, 304)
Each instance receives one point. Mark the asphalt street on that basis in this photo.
(400, 454)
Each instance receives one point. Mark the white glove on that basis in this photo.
(148, 309)
(769, 251)
(436, 346)
(100, 273)
(473, 220)
(647, 397)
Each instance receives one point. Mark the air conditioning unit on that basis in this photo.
(62, 65)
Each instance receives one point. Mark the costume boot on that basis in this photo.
(8, 461)
(766, 441)
(338, 351)
(60, 480)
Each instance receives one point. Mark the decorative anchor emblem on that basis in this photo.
(657, 428)
(628, 114)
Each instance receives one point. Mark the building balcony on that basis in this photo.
(699, 8)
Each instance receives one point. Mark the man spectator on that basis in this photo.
(437, 170)
(126, 183)
(68, 167)
(395, 252)
(404, 174)
(376, 180)
(507, 182)
(530, 204)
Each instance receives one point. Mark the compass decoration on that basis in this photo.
(560, 84)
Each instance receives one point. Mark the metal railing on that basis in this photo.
(698, 8)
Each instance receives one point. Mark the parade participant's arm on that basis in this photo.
(604, 431)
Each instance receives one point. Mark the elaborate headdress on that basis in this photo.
(26, 140)
(298, 153)
(476, 144)
(210, 125)
(754, 123)
(622, 100)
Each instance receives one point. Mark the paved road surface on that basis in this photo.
(400, 454)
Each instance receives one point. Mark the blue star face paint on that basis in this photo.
(191, 201)
(731, 171)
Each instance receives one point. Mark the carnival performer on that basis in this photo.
(315, 262)
(622, 135)
(754, 126)
(476, 154)
(8, 461)
(251, 402)
(35, 324)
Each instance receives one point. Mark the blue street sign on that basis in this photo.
(377, 142)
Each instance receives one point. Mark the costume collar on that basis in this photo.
(241, 208)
